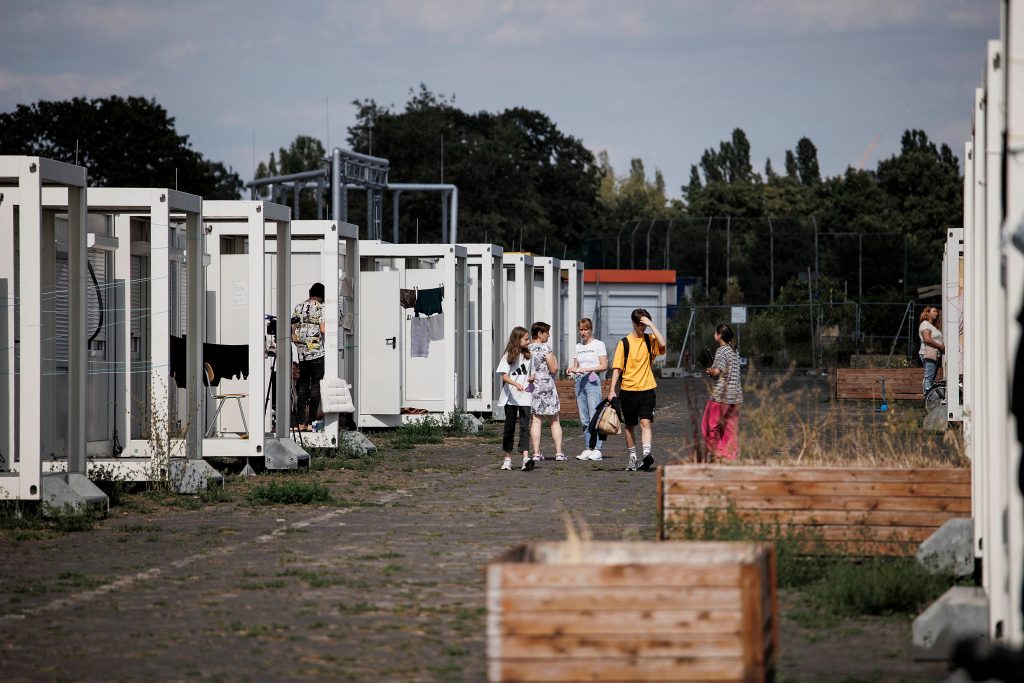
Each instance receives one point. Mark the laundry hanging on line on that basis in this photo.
(435, 327)
(227, 360)
(419, 338)
(407, 298)
(428, 301)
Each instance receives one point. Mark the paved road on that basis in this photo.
(388, 586)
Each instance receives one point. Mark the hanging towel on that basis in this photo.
(407, 297)
(227, 360)
(346, 287)
(420, 338)
(435, 327)
(428, 301)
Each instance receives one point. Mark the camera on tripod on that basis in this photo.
(272, 324)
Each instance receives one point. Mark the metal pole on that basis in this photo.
(649, 228)
(771, 261)
(444, 217)
(631, 236)
(336, 184)
(668, 241)
(707, 243)
(728, 250)
(860, 268)
(455, 216)
(296, 188)
(815, 224)
(810, 308)
(394, 215)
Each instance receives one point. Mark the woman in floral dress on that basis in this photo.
(543, 370)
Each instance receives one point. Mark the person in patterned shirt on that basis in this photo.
(308, 337)
(721, 420)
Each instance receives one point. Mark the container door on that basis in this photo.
(380, 368)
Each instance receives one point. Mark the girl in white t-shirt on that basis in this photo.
(514, 369)
(587, 369)
(932, 347)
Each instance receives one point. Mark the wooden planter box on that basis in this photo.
(901, 384)
(632, 611)
(854, 510)
(567, 397)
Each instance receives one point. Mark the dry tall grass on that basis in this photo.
(784, 422)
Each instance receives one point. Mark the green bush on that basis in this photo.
(290, 493)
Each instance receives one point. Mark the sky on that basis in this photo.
(658, 80)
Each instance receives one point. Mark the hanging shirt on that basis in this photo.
(428, 301)
(311, 342)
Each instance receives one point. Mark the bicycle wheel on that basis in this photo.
(936, 396)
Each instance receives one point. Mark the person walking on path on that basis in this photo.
(514, 369)
(308, 337)
(932, 347)
(543, 370)
(587, 369)
(720, 423)
(634, 356)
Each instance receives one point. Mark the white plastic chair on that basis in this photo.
(221, 398)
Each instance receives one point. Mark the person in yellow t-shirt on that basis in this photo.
(637, 395)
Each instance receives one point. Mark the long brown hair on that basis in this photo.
(514, 346)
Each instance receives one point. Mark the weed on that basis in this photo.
(290, 493)
(356, 608)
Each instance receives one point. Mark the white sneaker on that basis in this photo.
(507, 465)
(585, 455)
(595, 455)
(631, 466)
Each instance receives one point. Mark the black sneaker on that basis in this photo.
(647, 462)
(528, 464)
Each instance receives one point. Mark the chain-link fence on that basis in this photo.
(817, 334)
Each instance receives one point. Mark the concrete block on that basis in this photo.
(950, 549)
(356, 441)
(284, 454)
(673, 373)
(471, 423)
(193, 476)
(961, 612)
(62, 492)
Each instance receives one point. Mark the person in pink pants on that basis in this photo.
(721, 421)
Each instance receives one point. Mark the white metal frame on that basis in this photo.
(336, 264)
(547, 298)
(571, 307)
(249, 219)
(22, 179)
(952, 320)
(517, 292)
(450, 262)
(157, 206)
(484, 339)
(994, 295)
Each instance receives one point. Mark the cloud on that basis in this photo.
(802, 16)
(62, 85)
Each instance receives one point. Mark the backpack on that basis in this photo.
(625, 350)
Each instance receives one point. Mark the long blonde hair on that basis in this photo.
(514, 346)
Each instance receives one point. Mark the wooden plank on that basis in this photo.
(719, 621)
(959, 506)
(616, 598)
(629, 575)
(815, 488)
(900, 534)
(631, 669)
(874, 518)
(744, 473)
(753, 625)
(620, 644)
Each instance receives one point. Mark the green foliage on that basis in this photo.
(305, 153)
(290, 493)
(526, 176)
(123, 142)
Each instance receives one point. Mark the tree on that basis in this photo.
(123, 142)
(807, 162)
(306, 153)
(522, 181)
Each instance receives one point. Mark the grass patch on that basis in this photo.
(290, 493)
(833, 586)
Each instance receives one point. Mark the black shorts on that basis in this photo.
(637, 405)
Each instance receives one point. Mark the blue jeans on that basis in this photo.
(931, 368)
(588, 395)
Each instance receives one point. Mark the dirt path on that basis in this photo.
(387, 586)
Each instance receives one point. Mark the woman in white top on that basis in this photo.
(587, 368)
(932, 347)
